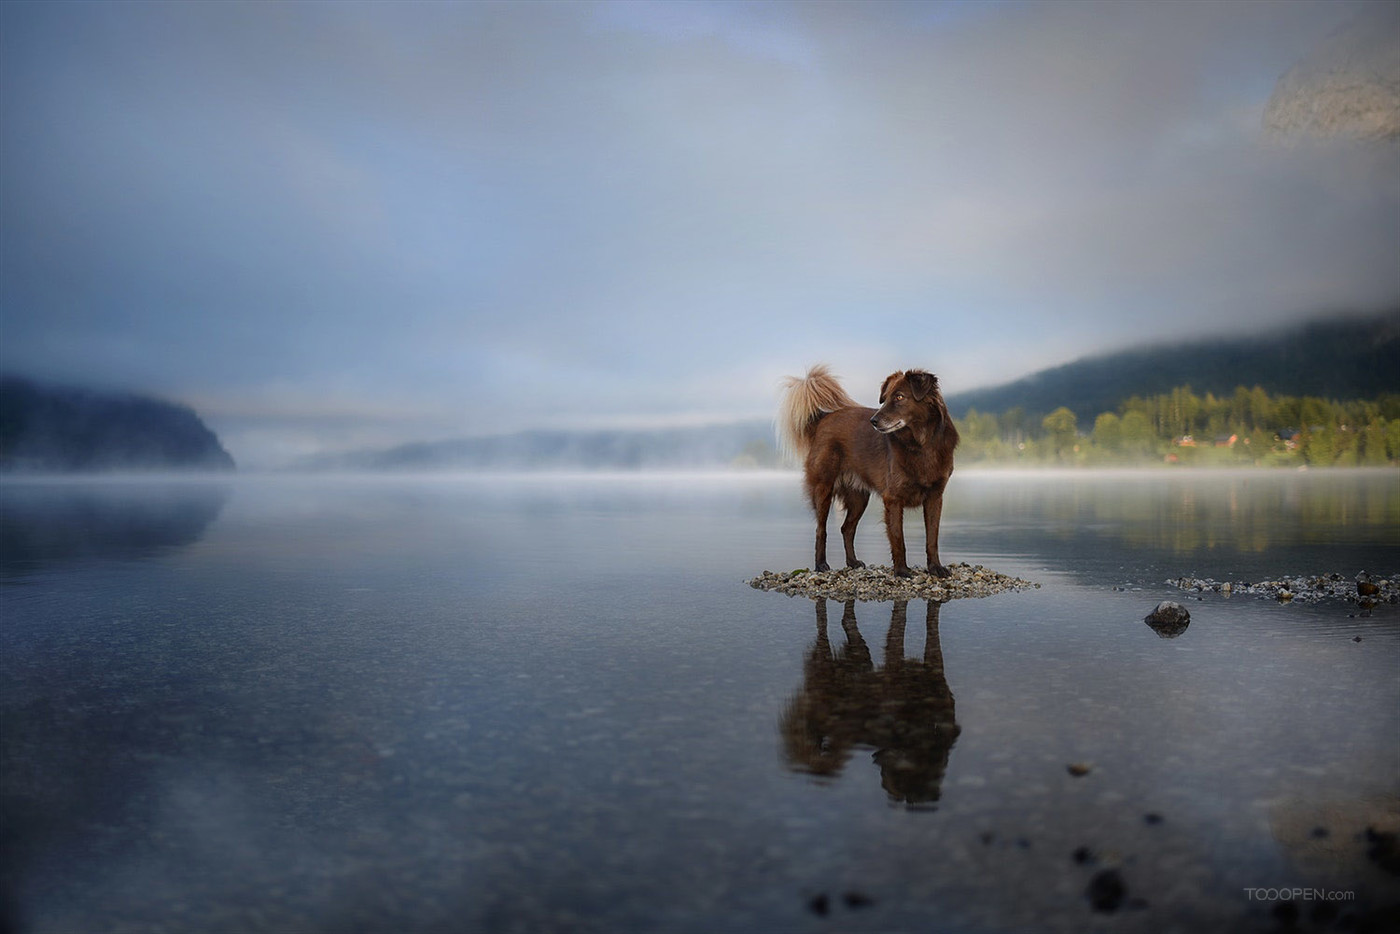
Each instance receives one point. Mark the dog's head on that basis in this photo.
(910, 399)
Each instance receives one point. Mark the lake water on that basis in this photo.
(466, 704)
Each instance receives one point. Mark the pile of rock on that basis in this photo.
(1363, 589)
(880, 583)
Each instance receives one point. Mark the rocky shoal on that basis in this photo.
(1307, 588)
(880, 583)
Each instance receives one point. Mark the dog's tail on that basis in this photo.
(805, 400)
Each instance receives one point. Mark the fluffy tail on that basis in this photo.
(805, 400)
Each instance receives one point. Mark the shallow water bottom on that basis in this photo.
(519, 705)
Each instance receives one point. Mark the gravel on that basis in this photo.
(1363, 590)
(880, 583)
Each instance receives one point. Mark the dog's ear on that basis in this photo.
(889, 381)
(922, 384)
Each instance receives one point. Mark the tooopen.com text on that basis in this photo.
(1299, 895)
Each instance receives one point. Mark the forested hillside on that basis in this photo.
(62, 429)
(1343, 358)
(1244, 427)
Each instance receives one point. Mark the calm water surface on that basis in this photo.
(331, 705)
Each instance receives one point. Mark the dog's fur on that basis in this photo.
(902, 451)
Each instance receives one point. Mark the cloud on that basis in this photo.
(598, 213)
(1348, 86)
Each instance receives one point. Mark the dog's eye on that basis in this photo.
(899, 397)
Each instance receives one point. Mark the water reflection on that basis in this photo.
(45, 523)
(1346, 842)
(902, 711)
(1241, 526)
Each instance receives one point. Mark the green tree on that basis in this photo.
(981, 427)
(1108, 432)
(1373, 443)
(1314, 413)
(1136, 432)
(1392, 439)
(1013, 425)
(1062, 427)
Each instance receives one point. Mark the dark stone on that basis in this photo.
(820, 906)
(1153, 819)
(1168, 620)
(1083, 856)
(1106, 891)
(857, 900)
(1286, 914)
(1384, 849)
(1324, 913)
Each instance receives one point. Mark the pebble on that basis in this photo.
(880, 583)
(1106, 890)
(1365, 590)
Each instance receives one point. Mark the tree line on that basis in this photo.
(1248, 427)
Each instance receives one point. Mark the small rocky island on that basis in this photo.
(64, 429)
(880, 583)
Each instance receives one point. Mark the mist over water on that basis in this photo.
(463, 703)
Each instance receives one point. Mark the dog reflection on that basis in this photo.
(904, 711)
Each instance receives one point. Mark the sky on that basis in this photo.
(340, 225)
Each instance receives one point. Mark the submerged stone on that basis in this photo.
(1106, 890)
(1168, 620)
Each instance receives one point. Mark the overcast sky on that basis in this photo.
(331, 225)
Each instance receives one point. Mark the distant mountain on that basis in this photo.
(1344, 358)
(63, 428)
(747, 443)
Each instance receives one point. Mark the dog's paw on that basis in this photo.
(821, 566)
(938, 570)
(903, 572)
(855, 564)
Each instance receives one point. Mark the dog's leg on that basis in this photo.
(856, 501)
(857, 652)
(823, 646)
(894, 640)
(894, 528)
(933, 648)
(933, 513)
(821, 504)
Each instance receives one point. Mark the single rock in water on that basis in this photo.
(1106, 890)
(1168, 620)
(857, 900)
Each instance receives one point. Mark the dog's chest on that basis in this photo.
(913, 480)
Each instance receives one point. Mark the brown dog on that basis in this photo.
(903, 451)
